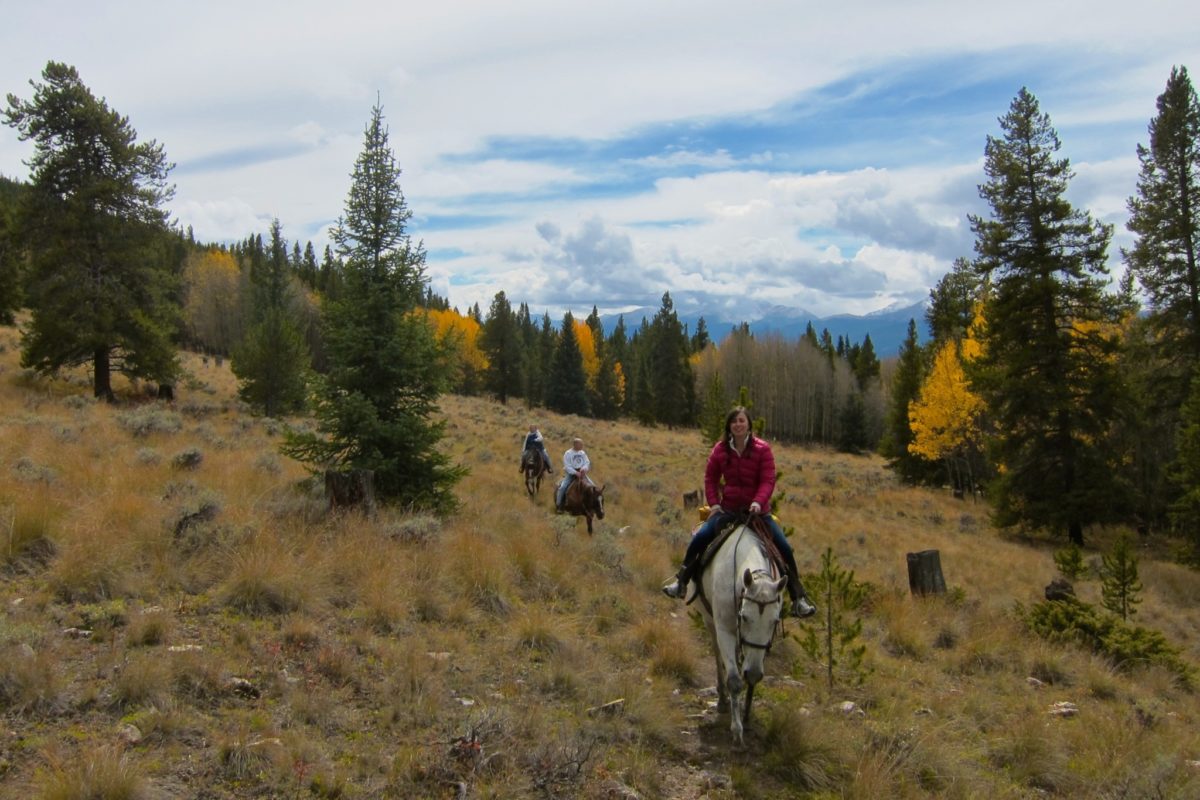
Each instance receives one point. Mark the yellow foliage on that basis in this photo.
(619, 374)
(458, 336)
(945, 418)
(587, 349)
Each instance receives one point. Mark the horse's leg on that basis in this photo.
(722, 690)
(589, 519)
(749, 701)
(735, 711)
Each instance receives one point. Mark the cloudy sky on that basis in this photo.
(821, 156)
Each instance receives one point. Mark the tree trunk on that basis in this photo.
(355, 487)
(925, 573)
(102, 376)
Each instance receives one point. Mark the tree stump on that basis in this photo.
(925, 573)
(350, 489)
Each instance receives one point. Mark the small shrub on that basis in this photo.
(188, 458)
(103, 774)
(29, 680)
(146, 420)
(1127, 646)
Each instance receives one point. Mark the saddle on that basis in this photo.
(759, 529)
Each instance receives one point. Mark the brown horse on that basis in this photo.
(533, 466)
(583, 499)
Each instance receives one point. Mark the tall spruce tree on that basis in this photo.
(1047, 373)
(375, 408)
(1164, 217)
(272, 361)
(670, 375)
(567, 391)
(11, 251)
(502, 344)
(898, 433)
(102, 288)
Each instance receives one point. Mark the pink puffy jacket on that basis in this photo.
(735, 481)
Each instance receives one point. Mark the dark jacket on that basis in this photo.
(735, 481)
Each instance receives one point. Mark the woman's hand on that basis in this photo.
(755, 508)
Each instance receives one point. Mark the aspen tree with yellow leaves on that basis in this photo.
(946, 417)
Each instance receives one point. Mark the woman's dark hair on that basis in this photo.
(731, 416)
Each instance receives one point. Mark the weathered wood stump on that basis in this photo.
(351, 489)
(925, 573)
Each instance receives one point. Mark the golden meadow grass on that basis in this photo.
(262, 647)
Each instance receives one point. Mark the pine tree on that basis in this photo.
(952, 302)
(103, 290)
(1119, 583)
(503, 346)
(1165, 218)
(833, 642)
(376, 407)
(567, 391)
(898, 433)
(1185, 472)
(670, 377)
(714, 410)
(271, 362)
(1047, 372)
(11, 251)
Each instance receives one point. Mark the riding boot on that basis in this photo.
(801, 606)
(677, 587)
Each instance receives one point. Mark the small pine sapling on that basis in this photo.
(833, 642)
(1119, 584)
(1069, 561)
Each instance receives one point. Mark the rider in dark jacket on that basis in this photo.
(533, 441)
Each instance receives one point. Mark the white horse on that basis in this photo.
(741, 606)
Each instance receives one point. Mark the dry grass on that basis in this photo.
(184, 619)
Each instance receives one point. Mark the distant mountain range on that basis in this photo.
(887, 327)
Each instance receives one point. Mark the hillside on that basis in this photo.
(182, 618)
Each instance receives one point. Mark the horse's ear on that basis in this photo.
(602, 488)
(747, 578)
(779, 584)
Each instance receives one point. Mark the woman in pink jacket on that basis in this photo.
(738, 480)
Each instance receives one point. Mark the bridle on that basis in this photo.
(741, 598)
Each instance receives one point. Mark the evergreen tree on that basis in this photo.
(670, 378)
(1047, 372)
(952, 302)
(11, 251)
(701, 338)
(308, 266)
(376, 407)
(271, 362)
(1119, 583)
(1164, 216)
(865, 363)
(567, 392)
(713, 412)
(1165, 219)
(1185, 472)
(503, 346)
(898, 433)
(103, 288)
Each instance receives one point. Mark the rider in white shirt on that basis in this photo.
(576, 465)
